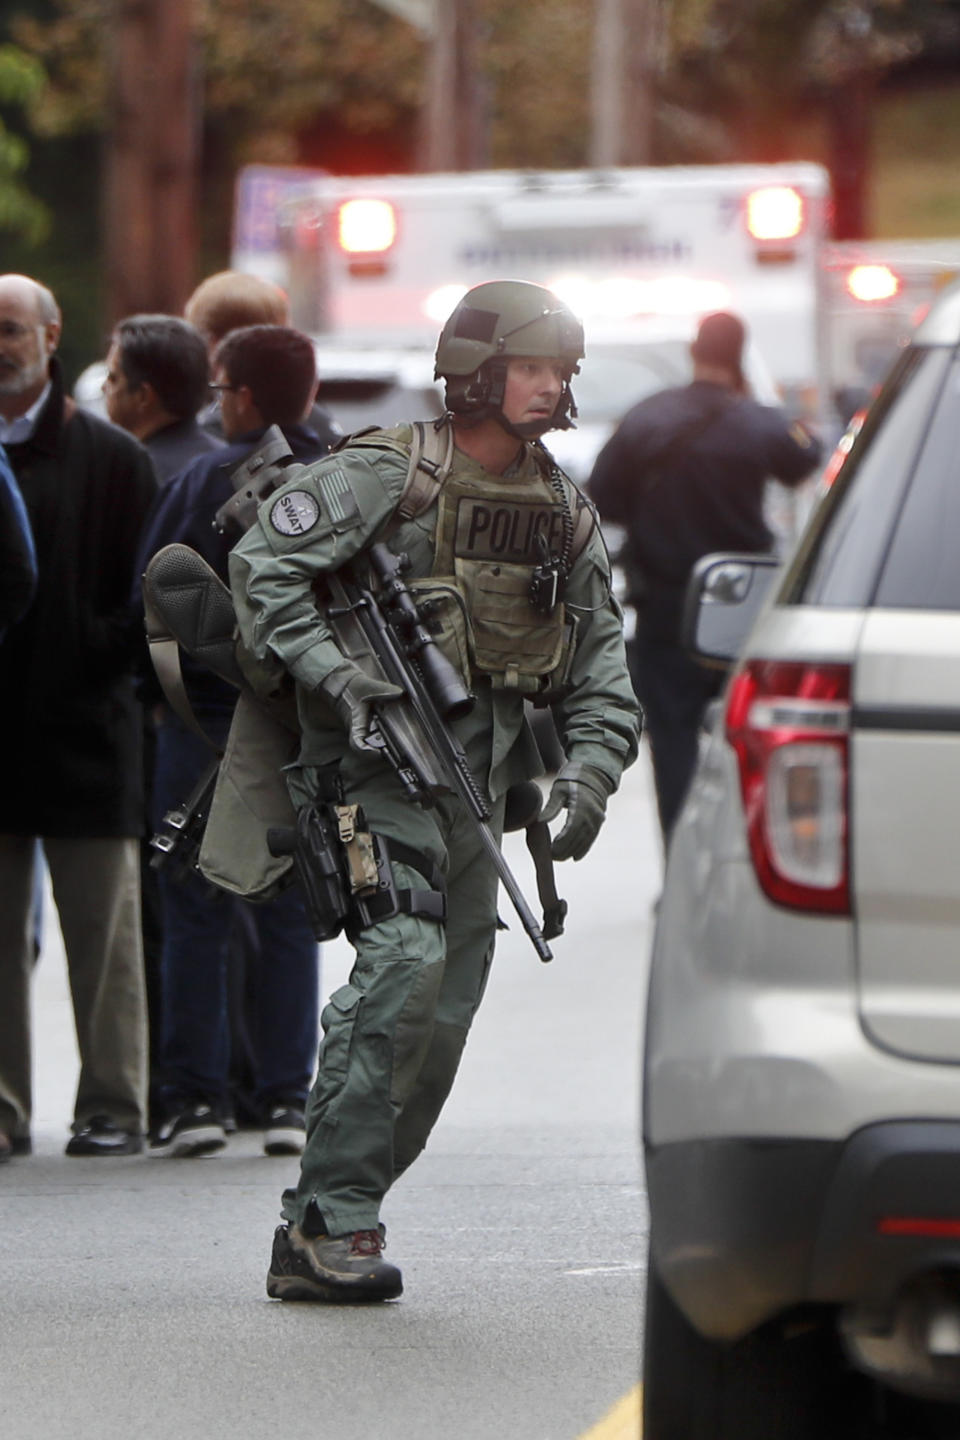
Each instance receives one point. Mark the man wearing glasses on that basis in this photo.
(263, 375)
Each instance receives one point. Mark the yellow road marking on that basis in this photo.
(620, 1423)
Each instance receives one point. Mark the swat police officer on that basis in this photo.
(477, 526)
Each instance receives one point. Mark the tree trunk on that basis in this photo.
(626, 50)
(848, 123)
(455, 133)
(151, 149)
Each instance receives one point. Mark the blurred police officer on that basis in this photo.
(395, 1032)
(685, 475)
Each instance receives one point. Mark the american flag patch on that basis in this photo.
(339, 500)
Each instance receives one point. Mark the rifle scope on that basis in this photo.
(449, 693)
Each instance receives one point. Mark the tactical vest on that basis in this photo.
(486, 548)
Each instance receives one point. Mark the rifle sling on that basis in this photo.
(165, 655)
(554, 909)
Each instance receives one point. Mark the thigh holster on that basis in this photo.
(345, 870)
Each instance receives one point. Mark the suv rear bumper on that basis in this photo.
(747, 1229)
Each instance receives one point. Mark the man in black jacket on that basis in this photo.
(685, 475)
(70, 736)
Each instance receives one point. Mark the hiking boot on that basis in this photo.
(334, 1268)
(284, 1131)
(194, 1130)
(100, 1136)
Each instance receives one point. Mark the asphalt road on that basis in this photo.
(132, 1301)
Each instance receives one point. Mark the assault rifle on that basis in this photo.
(386, 635)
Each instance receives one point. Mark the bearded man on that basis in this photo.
(70, 732)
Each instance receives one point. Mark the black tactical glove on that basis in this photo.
(349, 692)
(582, 791)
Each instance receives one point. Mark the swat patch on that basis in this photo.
(506, 530)
(294, 513)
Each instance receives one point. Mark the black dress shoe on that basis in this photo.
(100, 1136)
(11, 1145)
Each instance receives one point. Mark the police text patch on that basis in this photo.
(506, 530)
(294, 513)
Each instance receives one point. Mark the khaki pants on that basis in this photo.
(96, 890)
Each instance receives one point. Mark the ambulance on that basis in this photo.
(875, 293)
(379, 261)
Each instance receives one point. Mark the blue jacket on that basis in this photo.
(172, 448)
(183, 513)
(18, 556)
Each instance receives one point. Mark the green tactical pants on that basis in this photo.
(393, 1035)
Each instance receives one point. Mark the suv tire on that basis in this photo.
(791, 1384)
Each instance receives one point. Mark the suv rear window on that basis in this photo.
(846, 544)
(921, 569)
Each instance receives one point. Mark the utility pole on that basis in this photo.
(849, 122)
(626, 51)
(455, 116)
(150, 159)
(455, 121)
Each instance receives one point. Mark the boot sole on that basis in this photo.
(298, 1287)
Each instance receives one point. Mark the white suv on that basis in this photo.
(802, 1064)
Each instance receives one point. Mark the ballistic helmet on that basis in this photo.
(497, 320)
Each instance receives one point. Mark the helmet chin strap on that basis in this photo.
(531, 431)
(563, 418)
(483, 400)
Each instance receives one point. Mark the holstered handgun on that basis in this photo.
(318, 862)
(344, 871)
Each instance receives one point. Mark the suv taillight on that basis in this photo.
(789, 722)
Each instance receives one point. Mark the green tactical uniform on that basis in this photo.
(395, 1032)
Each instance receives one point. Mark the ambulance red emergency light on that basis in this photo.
(875, 293)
